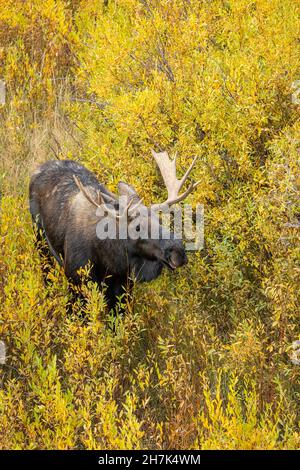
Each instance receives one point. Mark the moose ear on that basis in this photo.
(126, 189)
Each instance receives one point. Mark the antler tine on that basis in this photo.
(119, 216)
(92, 201)
(167, 168)
(185, 194)
(126, 208)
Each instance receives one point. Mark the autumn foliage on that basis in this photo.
(202, 358)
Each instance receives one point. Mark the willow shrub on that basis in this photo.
(202, 358)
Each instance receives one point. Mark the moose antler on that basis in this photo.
(101, 197)
(167, 168)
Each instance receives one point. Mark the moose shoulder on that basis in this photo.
(68, 204)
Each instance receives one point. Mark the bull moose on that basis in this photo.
(66, 204)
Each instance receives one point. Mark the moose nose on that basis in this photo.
(177, 258)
